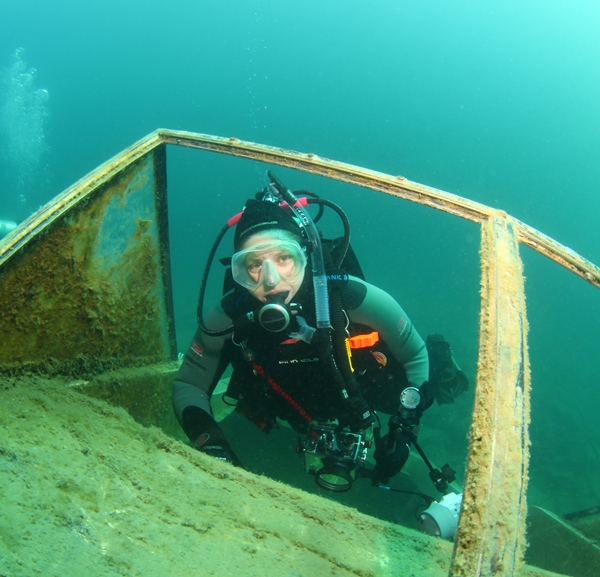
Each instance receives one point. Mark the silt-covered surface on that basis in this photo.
(88, 490)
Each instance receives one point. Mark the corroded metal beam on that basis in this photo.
(491, 532)
(349, 173)
(557, 252)
(393, 185)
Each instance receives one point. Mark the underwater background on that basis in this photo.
(497, 102)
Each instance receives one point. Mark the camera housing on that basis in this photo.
(334, 456)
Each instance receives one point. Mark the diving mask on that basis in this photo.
(268, 263)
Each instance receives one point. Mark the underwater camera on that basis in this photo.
(333, 456)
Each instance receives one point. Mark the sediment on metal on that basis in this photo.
(491, 533)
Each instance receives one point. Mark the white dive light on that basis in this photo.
(441, 519)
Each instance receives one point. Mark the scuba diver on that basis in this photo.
(311, 343)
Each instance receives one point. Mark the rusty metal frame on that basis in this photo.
(491, 532)
(388, 184)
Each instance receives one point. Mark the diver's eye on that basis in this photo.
(254, 266)
(284, 258)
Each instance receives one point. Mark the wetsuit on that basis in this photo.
(276, 376)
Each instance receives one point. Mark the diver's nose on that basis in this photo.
(270, 274)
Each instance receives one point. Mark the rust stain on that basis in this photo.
(58, 302)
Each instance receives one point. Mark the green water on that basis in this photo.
(493, 101)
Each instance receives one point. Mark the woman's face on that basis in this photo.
(268, 266)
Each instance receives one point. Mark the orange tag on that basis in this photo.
(364, 341)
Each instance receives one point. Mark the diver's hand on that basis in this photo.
(214, 443)
(360, 415)
(391, 454)
(446, 379)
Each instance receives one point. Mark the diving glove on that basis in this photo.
(360, 416)
(446, 378)
(391, 454)
(214, 443)
(206, 435)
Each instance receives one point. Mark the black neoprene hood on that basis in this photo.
(263, 215)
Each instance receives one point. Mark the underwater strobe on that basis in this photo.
(441, 519)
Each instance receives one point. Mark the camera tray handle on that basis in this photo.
(440, 479)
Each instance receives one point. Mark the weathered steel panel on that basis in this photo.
(94, 285)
